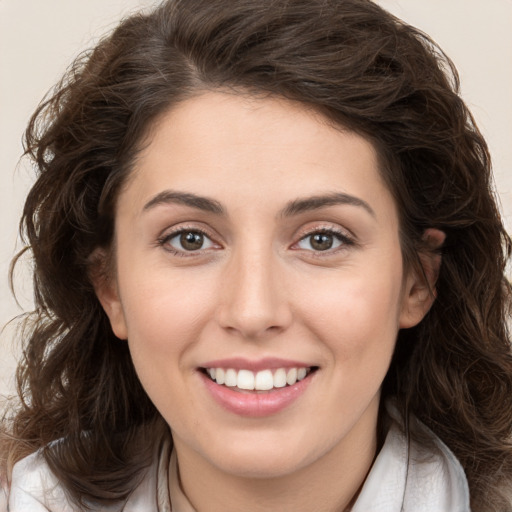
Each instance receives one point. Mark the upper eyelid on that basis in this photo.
(163, 242)
(326, 228)
(344, 235)
(171, 232)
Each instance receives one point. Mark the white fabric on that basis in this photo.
(411, 477)
(406, 477)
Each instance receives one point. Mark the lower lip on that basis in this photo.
(253, 404)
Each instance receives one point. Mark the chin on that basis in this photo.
(261, 468)
(263, 458)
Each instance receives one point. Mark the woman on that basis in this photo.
(261, 236)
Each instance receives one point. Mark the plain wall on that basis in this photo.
(39, 39)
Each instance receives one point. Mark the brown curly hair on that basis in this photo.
(362, 68)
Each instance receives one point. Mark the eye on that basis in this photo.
(187, 240)
(324, 240)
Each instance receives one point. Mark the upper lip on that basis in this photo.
(266, 363)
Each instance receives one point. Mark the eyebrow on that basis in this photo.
(294, 207)
(194, 201)
(322, 201)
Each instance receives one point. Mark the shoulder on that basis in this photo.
(434, 473)
(414, 472)
(34, 487)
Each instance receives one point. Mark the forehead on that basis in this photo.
(249, 150)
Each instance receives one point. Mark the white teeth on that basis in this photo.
(220, 376)
(245, 380)
(280, 378)
(291, 376)
(231, 378)
(263, 380)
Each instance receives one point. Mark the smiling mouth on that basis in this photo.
(261, 381)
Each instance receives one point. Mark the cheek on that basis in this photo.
(164, 317)
(165, 303)
(357, 311)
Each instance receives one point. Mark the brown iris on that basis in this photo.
(191, 240)
(321, 241)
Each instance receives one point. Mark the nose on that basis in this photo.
(253, 296)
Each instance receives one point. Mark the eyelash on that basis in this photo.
(164, 240)
(345, 240)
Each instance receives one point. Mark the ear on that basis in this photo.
(420, 284)
(105, 286)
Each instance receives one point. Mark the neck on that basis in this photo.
(330, 483)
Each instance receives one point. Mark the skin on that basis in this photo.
(258, 288)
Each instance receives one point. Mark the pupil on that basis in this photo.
(321, 241)
(191, 241)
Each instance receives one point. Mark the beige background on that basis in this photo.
(38, 39)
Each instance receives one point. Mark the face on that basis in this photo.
(258, 245)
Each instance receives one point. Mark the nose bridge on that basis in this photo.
(253, 295)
